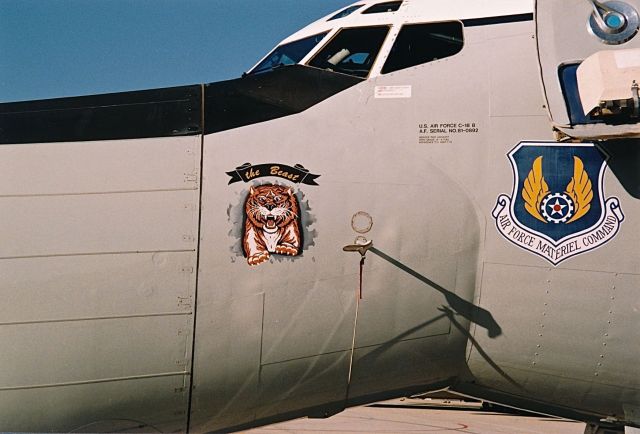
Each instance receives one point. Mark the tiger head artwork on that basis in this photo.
(272, 223)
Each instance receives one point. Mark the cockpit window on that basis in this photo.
(383, 7)
(352, 51)
(288, 54)
(345, 12)
(421, 43)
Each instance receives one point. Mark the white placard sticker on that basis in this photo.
(389, 92)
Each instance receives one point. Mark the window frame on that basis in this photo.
(354, 9)
(400, 3)
(339, 30)
(313, 50)
(403, 25)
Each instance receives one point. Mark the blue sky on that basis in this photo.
(55, 48)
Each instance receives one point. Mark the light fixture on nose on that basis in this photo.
(613, 22)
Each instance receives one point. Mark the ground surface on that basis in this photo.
(425, 416)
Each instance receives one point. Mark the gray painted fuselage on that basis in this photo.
(128, 301)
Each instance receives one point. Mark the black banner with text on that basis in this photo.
(296, 174)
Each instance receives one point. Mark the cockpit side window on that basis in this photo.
(422, 43)
(383, 7)
(345, 12)
(288, 54)
(352, 51)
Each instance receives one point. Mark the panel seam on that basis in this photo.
(198, 253)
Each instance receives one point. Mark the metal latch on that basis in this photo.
(636, 99)
(361, 248)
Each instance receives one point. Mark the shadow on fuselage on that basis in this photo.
(457, 306)
(462, 307)
(624, 161)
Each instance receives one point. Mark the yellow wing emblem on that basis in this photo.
(534, 190)
(580, 190)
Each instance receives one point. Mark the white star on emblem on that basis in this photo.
(557, 207)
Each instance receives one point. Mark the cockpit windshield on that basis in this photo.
(288, 54)
(352, 51)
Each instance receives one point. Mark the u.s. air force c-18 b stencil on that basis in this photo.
(436, 195)
(558, 209)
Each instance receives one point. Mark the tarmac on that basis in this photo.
(425, 416)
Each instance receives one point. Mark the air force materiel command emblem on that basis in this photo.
(557, 209)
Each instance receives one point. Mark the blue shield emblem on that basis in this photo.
(557, 209)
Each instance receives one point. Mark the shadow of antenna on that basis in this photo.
(462, 307)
